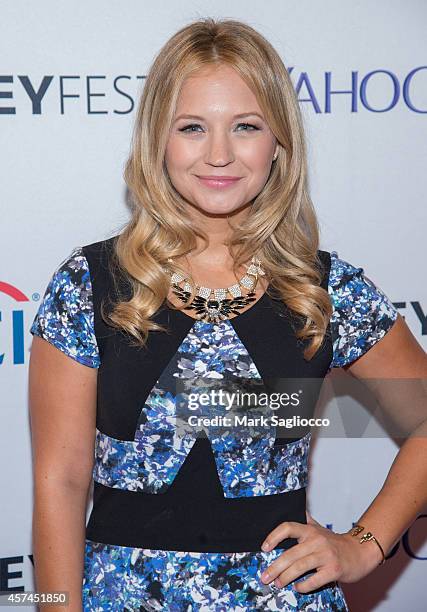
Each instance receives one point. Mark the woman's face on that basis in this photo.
(212, 140)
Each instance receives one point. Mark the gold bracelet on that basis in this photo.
(366, 538)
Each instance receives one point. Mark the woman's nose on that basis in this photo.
(219, 150)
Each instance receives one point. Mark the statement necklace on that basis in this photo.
(212, 305)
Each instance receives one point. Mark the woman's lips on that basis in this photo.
(218, 182)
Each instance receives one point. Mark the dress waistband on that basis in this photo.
(191, 523)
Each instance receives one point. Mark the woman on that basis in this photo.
(217, 281)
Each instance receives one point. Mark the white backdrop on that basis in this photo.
(360, 69)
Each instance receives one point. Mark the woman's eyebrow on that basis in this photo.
(239, 116)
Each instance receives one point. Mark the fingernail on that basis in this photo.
(265, 577)
(265, 545)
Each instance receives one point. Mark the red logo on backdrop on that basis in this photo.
(17, 321)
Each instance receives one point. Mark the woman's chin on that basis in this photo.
(219, 210)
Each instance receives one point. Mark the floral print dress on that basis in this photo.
(142, 556)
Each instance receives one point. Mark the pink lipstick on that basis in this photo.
(218, 182)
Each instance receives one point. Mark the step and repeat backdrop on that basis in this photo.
(70, 77)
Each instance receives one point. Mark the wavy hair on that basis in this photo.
(282, 228)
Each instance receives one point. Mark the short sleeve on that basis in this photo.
(65, 316)
(362, 313)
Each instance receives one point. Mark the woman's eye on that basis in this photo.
(248, 125)
(189, 128)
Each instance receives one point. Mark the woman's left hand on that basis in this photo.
(335, 556)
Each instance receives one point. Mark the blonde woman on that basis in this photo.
(216, 283)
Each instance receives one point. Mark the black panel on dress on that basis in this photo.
(193, 514)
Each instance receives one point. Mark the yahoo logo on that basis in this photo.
(16, 319)
(358, 88)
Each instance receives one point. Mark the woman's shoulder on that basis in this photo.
(350, 281)
(362, 312)
(100, 246)
(65, 316)
(343, 272)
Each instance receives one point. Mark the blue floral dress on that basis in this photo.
(130, 570)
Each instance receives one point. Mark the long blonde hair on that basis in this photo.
(282, 227)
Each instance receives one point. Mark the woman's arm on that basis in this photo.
(395, 369)
(398, 359)
(62, 399)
